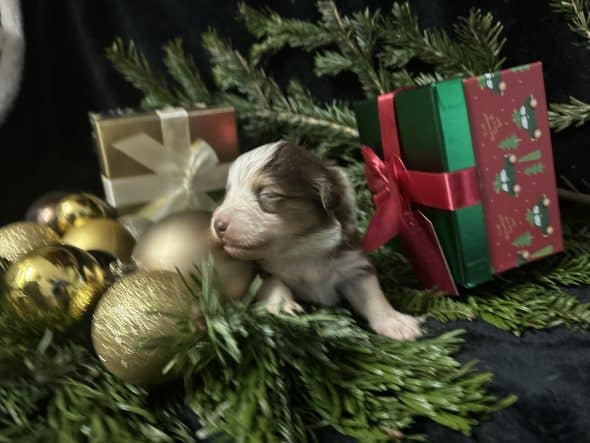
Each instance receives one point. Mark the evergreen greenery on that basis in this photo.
(246, 376)
(364, 385)
(53, 389)
(576, 112)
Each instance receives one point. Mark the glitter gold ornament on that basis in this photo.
(101, 234)
(18, 239)
(53, 286)
(182, 241)
(75, 210)
(43, 210)
(137, 308)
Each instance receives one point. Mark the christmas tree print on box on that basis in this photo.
(514, 165)
(509, 143)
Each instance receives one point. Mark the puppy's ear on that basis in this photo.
(327, 189)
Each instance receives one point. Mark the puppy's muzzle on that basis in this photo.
(220, 225)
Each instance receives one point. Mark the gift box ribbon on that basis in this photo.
(395, 192)
(183, 172)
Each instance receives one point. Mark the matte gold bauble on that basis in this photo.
(18, 239)
(43, 210)
(137, 308)
(135, 224)
(101, 234)
(75, 210)
(53, 286)
(182, 241)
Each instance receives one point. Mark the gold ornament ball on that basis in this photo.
(43, 209)
(137, 308)
(135, 224)
(54, 286)
(18, 239)
(101, 234)
(182, 241)
(75, 210)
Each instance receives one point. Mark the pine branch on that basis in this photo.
(576, 112)
(521, 307)
(356, 38)
(136, 70)
(476, 49)
(52, 389)
(181, 67)
(563, 115)
(61, 393)
(265, 387)
(275, 32)
(578, 14)
(481, 41)
(262, 105)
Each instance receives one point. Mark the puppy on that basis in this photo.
(295, 215)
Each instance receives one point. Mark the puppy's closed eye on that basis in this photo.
(269, 201)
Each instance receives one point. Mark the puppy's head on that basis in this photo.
(278, 196)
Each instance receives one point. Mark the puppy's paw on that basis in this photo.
(398, 326)
(283, 305)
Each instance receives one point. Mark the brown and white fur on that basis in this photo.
(295, 216)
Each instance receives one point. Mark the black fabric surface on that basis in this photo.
(46, 145)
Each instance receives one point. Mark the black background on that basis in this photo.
(46, 144)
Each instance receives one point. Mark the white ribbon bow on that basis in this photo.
(182, 172)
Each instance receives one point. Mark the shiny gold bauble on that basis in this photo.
(53, 286)
(101, 234)
(182, 241)
(75, 210)
(18, 239)
(136, 309)
(43, 210)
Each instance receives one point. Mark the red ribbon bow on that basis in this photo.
(395, 189)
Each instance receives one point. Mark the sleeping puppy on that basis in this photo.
(295, 215)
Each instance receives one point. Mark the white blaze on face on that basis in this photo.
(246, 169)
(248, 226)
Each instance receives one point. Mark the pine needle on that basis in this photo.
(476, 50)
(136, 69)
(576, 112)
(577, 13)
(564, 115)
(181, 67)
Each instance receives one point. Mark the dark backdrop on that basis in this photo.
(46, 145)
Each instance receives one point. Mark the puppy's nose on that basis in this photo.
(220, 226)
